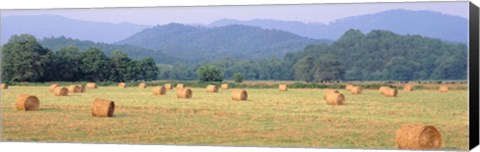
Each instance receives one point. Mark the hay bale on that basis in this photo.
(348, 87)
(180, 86)
(142, 85)
(82, 88)
(122, 85)
(408, 88)
(335, 99)
(282, 87)
(60, 91)
(225, 86)
(168, 86)
(160, 90)
(356, 90)
(418, 136)
(443, 89)
(53, 86)
(212, 89)
(103, 108)
(27, 102)
(74, 89)
(239, 95)
(91, 85)
(184, 93)
(328, 91)
(382, 89)
(390, 92)
(4, 86)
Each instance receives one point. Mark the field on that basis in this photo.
(296, 118)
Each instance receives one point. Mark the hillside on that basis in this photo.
(425, 23)
(56, 43)
(50, 25)
(197, 44)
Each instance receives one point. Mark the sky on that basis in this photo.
(316, 13)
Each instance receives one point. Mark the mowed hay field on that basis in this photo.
(296, 118)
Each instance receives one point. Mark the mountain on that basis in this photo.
(425, 23)
(197, 43)
(56, 43)
(49, 25)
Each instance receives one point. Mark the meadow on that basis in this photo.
(296, 118)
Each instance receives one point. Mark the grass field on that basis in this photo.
(297, 118)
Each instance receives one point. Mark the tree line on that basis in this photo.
(24, 59)
(377, 55)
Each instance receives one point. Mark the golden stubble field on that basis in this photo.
(297, 118)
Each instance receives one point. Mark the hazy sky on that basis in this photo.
(320, 13)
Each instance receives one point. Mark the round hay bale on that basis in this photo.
(348, 87)
(356, 90)
(82, 88)
(418, 136)
(328, 91)
(74, 89)
(212, 89)
(103, 108)
(443, 89)
(390, 92)
(335, 99)
(160, 90)
(60, 91)
(27, 102)
(184, 93)
(282, 87)
(168, 86)
(122, 85)
(382, 89)
(225, 86)
(4, 86)
(180, 86)
(91, 85)
(408, 88)
(142, 85)
(53, 86)
(239, 95)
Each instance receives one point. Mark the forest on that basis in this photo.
(25, 60)
(377, 55)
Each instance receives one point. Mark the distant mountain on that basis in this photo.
(49, 25)
(56, 43)
(197, 43)
(425, 23)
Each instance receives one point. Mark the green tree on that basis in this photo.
(328, 68)
(24, 59)
(148, 69)
(209, 73)
(68, 62)
(96, 66)
(238, 77)
(120, 63)
(303, 69)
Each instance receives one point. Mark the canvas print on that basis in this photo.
(366, 75)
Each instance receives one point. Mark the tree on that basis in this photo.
(148, 69)
(399, 69)
(328, 68)
(96, 66)
(238, 77)
(120, 63)
(303, 69)
(24, 59)
(68, 62)
(208, 73)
